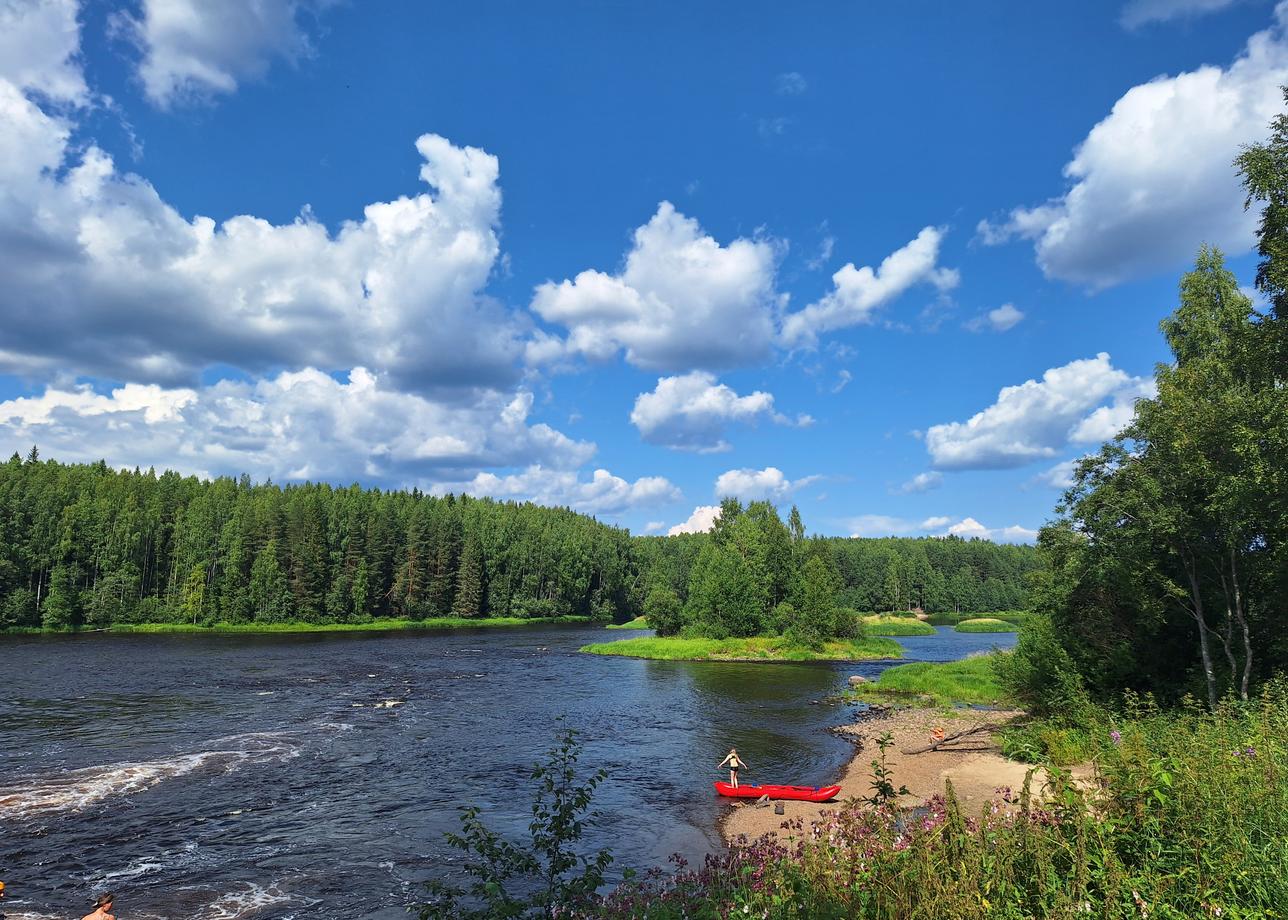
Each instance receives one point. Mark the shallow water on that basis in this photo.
(314, 775)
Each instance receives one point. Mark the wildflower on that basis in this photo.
(1116, 736)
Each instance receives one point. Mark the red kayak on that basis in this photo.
(800, 793)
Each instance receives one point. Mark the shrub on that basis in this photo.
(541, 879)
(663, 611)
(1040, 673)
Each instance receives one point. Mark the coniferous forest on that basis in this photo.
(89, 546)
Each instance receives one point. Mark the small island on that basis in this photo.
(890, 625)
(759, 590)
(751, 648)
(985, 625)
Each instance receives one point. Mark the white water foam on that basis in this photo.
(76, 790)
(187, 856)
(251, 900)
(246, 901)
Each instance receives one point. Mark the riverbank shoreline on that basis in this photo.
(755, 648)
(298, 627)
(974, 765)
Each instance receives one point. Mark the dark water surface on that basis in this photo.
(313, 776)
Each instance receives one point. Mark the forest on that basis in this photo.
(90, 546)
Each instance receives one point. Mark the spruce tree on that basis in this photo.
(469, 580)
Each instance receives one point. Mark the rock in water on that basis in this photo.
(856, 679)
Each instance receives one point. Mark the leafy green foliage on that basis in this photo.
(1041, 672)
(885, 795)
(1169, 569)
(543, 878)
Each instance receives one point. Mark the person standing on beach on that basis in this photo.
(735, 764)
(102, 907)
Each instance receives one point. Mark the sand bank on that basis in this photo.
(974, 764)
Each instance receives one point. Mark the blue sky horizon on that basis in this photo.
(898, 266)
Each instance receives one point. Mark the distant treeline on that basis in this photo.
(85, 545)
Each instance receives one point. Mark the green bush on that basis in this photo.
(1042, 676)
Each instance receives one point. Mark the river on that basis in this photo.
(314, 775)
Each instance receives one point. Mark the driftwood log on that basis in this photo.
(947, 739)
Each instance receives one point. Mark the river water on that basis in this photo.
(314, 776)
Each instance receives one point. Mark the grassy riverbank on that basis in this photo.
(879, 625)
(971, 680)
(1187, 817)
(372, 625)
(985, 625)
(756, 648)
(640, 622)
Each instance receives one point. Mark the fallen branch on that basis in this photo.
(936, 745)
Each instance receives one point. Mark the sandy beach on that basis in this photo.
(974, 764)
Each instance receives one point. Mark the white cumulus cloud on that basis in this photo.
(701, 520)
(297, 425)
(858, 292)
(969, 528)
(39, 41)
(691, 412)
(1059, 476)
(195, 49)
(1038, 418)
(759, 485)
(156, 297)
(603, 493)
(1153, 180)
(681, 301)
(880, 525)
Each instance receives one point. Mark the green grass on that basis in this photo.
(389, 624)
(985, 625)
(756, 648)
(640, 622)
(970, 680)
(879, 625)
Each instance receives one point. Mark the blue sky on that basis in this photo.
(896, 263)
